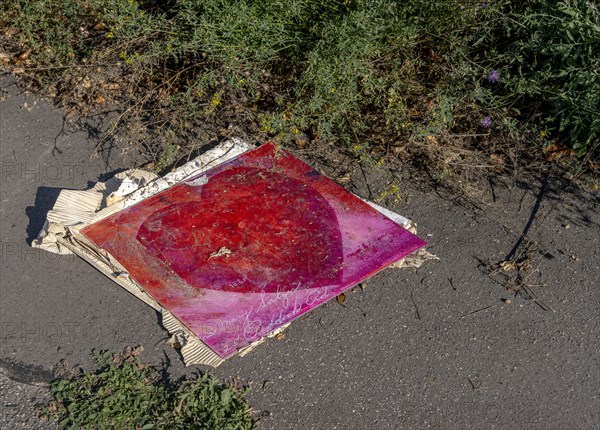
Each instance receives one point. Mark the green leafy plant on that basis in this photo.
(548, 57)
(364, 75)
(124, 393)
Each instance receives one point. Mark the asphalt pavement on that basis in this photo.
(446, 346)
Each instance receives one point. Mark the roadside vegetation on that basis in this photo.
(125, 393)
(456, 86)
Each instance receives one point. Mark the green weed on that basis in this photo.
(124, 393)
(353, 73)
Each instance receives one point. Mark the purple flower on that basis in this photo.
(493, 76)
(486, 121)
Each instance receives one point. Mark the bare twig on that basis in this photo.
(477, 311)
(415, 305)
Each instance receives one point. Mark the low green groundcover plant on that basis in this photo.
(362, 74)
(124, 393)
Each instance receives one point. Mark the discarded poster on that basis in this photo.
(233, 253)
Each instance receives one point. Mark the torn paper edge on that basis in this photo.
(75, 209)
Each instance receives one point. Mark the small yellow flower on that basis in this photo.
(382, 196)
(215, 101)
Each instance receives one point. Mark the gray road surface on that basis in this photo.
(432, 348)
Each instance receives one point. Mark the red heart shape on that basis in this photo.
(274, 233)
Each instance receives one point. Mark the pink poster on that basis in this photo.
(246, 247)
